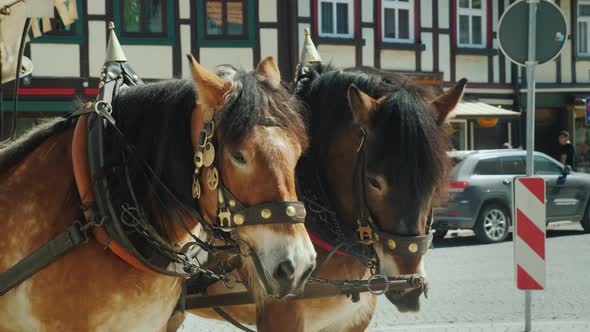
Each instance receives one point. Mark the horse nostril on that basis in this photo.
(285, 271)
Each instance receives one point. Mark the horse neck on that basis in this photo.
(337, 167)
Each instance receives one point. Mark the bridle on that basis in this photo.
(368, 231)
(230, 212)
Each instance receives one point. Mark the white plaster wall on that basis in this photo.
(302, 8)
(184, 9)
(214, 56)
(341, 56)
(582, 71)
(268, 43)
(508, 68)
(369, 48)
(443, 14)
(566, 63)
(96, 7)
(55, 60)
(473, 67)
(398, 60)
(425, 13)
(267, 10)
(150, 61)
(367, 8)
(96, 47)
(566, 54)
(300, 36)
(444, 53)
(185, 47)
(427, 54)
(547, 73)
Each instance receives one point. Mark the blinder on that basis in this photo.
(368, 232)
(231, 213)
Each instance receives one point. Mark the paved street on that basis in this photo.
(473, 289)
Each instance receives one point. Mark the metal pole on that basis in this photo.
(530, 129)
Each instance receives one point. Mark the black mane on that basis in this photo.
(411, 142)
(12, 152)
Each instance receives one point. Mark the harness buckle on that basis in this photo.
(366, 235)
(224, 217)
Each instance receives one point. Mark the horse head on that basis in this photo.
(259, 137)
(379, 142)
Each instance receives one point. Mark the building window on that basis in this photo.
(225, 19)
(583, 28)
(471, 23)
(226, 23)
(143, 18)
(397, 21)
(336, 18)
(60, 32)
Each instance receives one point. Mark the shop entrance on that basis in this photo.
(548, 123)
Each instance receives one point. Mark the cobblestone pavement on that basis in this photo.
(472, 288)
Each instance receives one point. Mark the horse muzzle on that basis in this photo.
(407, 300)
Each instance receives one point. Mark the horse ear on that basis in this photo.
(210, 87)
(361, 104)
(269, 69)
(446, 102)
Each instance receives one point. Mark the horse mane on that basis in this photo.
(13, 151)
(254, 101)
(412, 141)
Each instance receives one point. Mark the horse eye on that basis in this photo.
(238, 157)
(374, 183)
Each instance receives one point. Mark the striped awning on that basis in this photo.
(474, 109)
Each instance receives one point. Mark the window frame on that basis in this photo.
(397, 5)
(247, 40)
(585, 19)
(57, 37)
(166, 37)
(351, 18)
(471, 12)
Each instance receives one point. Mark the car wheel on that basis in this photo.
(585, 222)
(439, 234)
(493, 224)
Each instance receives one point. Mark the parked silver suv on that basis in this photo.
(481, 193)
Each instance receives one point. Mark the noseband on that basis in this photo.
(231, 213)
(368, 232)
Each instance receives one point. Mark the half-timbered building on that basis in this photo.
(436, 42)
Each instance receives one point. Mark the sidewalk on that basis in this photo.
(537, 326)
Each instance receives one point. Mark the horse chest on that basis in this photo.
(338, 313)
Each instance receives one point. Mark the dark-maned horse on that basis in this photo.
(404, 167)
(91, 288)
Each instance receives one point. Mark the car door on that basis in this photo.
(511, 166)
(565, 196)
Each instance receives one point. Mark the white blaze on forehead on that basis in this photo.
(279, 139)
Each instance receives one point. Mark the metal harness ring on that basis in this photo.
(375, 277)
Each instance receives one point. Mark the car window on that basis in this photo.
(546, 167)
(513, 165)
(490, 166)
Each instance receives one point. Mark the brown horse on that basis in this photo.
(393, 134)
(90, 288)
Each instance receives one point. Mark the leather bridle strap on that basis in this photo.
(399, 245)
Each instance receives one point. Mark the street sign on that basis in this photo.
(551, 34)
(529, 232)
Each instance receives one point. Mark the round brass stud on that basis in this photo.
(232, 203)
(265, 213)
(100, 85)
(413, 248)
(239, 219)
(291, 212)
(391, 244)
(135, 78)
(111, 75)
(101, 76)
